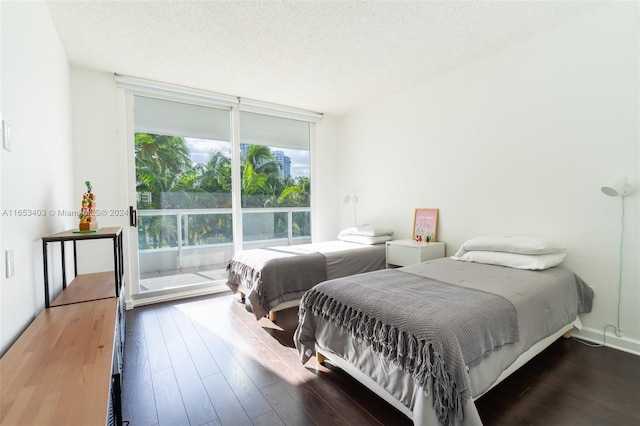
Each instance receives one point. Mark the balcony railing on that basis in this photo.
(173, 239)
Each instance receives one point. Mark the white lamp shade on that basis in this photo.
(617, 188)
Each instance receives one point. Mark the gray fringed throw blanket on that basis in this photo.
(272, 273)
(430, 329)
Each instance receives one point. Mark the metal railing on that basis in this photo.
(178, 240)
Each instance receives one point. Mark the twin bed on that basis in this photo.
(275, 278)
(432, 337)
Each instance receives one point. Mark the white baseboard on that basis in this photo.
(173, 294)
(623, 343)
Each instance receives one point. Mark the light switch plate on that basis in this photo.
(6, 136)
(9, 266)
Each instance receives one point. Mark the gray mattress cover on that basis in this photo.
(340, 259)
(545, 301)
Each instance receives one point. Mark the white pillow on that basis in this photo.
(365, 239)
(511, 244)
(513, 260)
(367, 230)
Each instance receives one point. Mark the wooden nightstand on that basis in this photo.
(409, 252)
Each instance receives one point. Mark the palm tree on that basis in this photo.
(262, 161)
(217, 177)
(211, 189)
(162, 166)
(164, 169)
(260, 173)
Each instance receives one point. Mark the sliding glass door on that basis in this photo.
(207, 179)
(275, 180)
(184, 196)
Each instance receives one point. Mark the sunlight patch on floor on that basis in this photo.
(213, 316)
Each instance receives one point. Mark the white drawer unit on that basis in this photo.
(409, 252)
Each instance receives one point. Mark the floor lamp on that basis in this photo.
(618, 188)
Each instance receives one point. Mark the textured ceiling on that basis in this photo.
(330, 57)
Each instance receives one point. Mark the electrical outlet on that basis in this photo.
(8, 263)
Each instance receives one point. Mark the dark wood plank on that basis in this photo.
(171, 409)
(568, 383)
(231, 340)
(283, 354)
(194, 396)
(289, 403)
(156, 346)
(200, 355)
(227, 406)
(252, 375)
(137, 386)
(165, 319)
(267, 419)
(237, 379)
(352, 393)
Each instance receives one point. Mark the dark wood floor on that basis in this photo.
(207, 361)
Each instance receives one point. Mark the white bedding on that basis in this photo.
(341, 259)
(547, 304)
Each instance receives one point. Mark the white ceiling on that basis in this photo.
(330, 57)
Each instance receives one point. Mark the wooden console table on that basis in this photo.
(60, 371)
(85, 286)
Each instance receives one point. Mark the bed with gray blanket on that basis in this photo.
(432, 337)
(275, 278)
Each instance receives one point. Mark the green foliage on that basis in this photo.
(165, 171)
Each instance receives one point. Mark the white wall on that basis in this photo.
(100, 151)
(37, 174)
(519, 142)
(325, 178)
(99, 157)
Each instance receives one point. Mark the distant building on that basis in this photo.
(244, 147)
(284, 163)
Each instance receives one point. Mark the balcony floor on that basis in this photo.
(154, 281)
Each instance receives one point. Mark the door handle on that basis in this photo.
(133, 217)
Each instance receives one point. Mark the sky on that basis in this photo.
(199, 150)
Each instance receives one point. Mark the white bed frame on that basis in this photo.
(272, 313)
(323, 354)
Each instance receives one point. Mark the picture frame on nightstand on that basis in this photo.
(425, 225)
